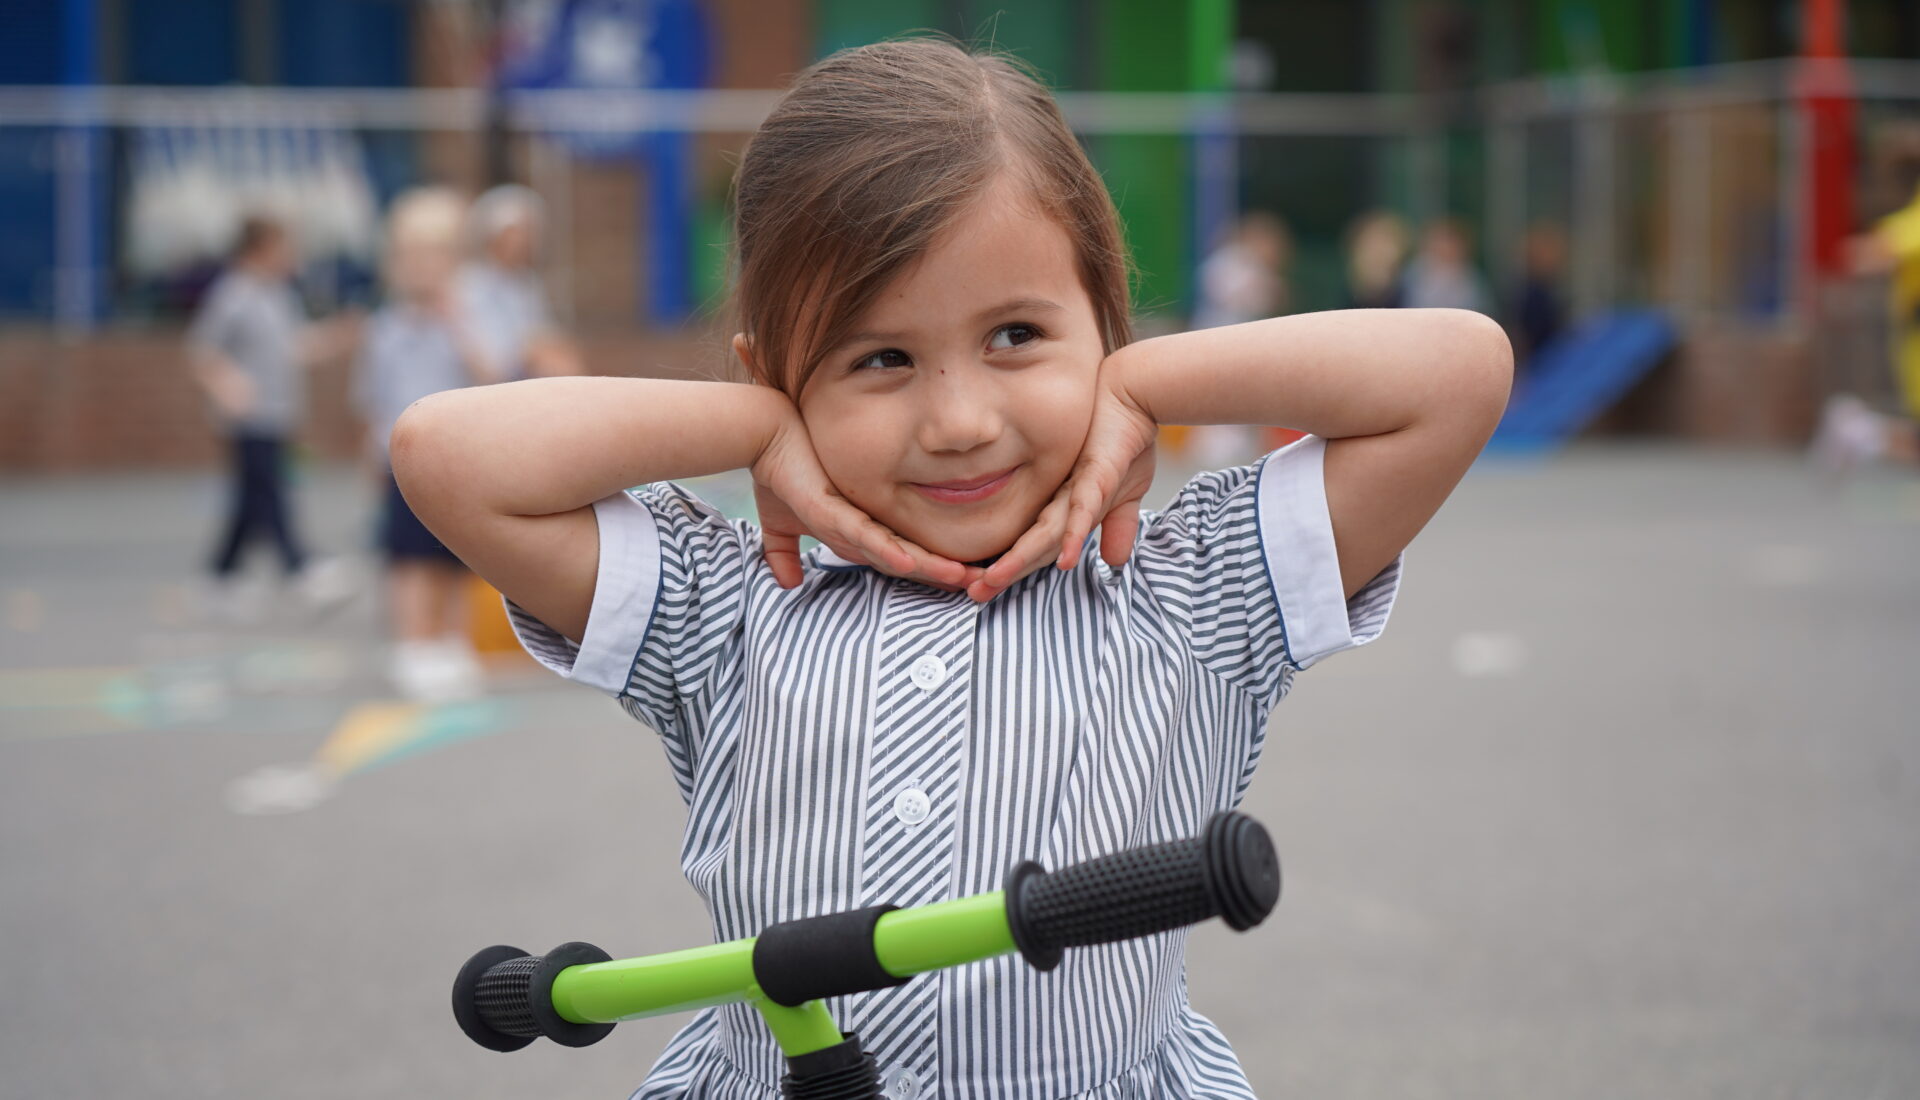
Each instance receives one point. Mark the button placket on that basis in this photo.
(921, 710)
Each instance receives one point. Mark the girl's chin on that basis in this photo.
(973, 541)
(968, 551)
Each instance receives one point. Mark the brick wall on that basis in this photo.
(126, 400)
(1756, 385)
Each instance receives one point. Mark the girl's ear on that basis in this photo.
(743, 348)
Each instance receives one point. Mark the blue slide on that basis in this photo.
(1580, 376)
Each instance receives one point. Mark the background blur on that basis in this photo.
(1627, 802)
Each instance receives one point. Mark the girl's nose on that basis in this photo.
(960, 409)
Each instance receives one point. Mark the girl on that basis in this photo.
(417, 344)
(933, 309)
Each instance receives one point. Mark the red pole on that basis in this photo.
(1825, 91)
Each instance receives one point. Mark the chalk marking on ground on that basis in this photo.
(370, 735)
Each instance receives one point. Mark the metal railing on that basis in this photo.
(1675, 187)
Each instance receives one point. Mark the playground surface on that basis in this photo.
(1626, 802)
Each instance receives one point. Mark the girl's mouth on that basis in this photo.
(966, 490)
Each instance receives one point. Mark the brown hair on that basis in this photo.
(871, 153)
(257, 231)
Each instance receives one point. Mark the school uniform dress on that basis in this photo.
(861, 740)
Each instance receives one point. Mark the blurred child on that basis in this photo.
(419, 344)
(1538, 312)
(1441, 275)
(1245, 279)
(1376, 249)
(499, 292)
(249, 348)
(1851, 432)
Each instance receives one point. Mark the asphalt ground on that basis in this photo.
(1625, 803)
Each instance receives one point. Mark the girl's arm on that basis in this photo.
(1406, 398)
(506, 476)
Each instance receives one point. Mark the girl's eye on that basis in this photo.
(883, 360)
(1007, 336)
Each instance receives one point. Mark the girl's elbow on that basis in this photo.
(418, 436)
(1484, 365)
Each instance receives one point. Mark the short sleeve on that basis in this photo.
(1245, 559)
(668, 598)
(218, 321)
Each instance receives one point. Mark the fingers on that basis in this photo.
(858, 537)
(1087, 502)
(893, 554)
(880, 546)
(1121, 525)
(782, 553)
(853, 535)
(1117, 532)
(1034, 550)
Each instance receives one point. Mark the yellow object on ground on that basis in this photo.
(487, 626)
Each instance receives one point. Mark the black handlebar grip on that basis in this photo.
(1228, 871)
(503, 997)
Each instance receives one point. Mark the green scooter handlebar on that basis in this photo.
(504, 997)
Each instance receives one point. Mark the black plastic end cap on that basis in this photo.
(840, 1072)
(467, 1012)
(1243, 870)
(552, 1024)
(1039, 954)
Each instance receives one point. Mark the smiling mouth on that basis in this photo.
(966, 490)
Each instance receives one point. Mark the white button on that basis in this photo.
(902, 1085)
(928, 672)
(912, 805)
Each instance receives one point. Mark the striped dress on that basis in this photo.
(861, 740)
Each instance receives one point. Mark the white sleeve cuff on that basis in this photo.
(1296, 539)
(626, 592)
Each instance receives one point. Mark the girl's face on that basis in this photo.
(961, 401)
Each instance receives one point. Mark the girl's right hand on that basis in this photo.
(796, 498)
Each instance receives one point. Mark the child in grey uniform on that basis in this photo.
(418, 344)
(500, 292)
(248, 348)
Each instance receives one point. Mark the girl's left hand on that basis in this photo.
(1114, 472)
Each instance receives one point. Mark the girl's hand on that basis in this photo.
(1114, 472)
(795, 498)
